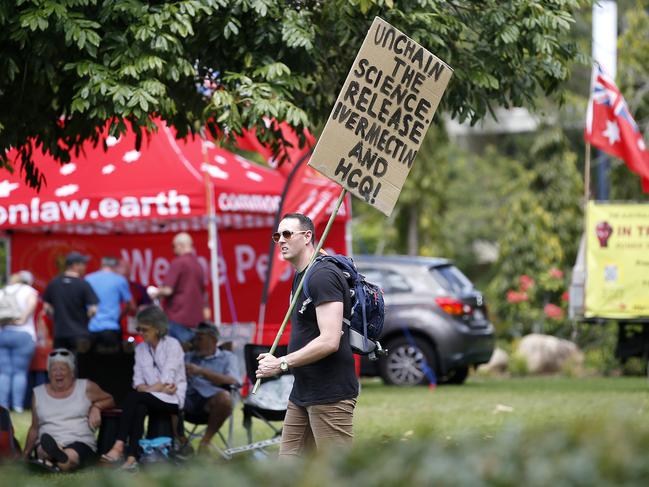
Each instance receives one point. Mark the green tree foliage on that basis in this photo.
(633, 77)
(558, 184)
(539, 239)
(418, 225)
(67, 66)
(633, 61)
(527, 242)
(477, 192)
(461, 199)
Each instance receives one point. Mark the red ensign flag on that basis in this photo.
(611, 128)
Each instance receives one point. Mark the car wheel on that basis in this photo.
(406, 362)
(457, 376)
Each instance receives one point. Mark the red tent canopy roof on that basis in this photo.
(162, 181)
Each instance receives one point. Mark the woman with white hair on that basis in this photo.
(159, 381)
(17, 342)
(65, 414)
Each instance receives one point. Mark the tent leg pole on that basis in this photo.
(214, 272)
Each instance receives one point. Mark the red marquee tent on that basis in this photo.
(128, 203)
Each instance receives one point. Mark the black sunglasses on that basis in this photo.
(63, 353)
(287, 234)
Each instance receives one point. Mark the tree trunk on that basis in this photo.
(380, 247)
(413, 230)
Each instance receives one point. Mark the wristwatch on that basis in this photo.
(283, 364)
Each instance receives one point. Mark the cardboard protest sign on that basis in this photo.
(381, 116)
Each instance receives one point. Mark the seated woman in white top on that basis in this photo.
(159, 382)
(65, 414)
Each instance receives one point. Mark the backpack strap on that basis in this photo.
(343, 268)
(305, 284)
(360, 299)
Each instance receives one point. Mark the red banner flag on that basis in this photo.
(611, 128)
(306, 191)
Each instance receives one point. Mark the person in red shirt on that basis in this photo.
(183, 291)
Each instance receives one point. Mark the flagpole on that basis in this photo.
(587, 175)
(212, 241)
(296, 294)
(586, 200)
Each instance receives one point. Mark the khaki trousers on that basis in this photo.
(314, 427)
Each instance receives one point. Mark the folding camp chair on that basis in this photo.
(198, 424)
(268, 405)
(199, 421)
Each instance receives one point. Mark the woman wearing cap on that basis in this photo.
(17, 342)
(159, 381)
(65, 414)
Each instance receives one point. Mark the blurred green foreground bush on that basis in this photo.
(608, 451)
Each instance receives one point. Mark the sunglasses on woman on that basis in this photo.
(287, 234)
(62, 353)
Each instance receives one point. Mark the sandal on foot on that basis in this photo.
(130, 467)
(105, 458)
(41, 465)
(49, 446)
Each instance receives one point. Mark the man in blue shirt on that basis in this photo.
(113, 292)
(209, 371)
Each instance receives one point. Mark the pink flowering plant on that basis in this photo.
(537, 304)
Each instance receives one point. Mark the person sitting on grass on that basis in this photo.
(159, 382)
(65, 414)
(209, 370)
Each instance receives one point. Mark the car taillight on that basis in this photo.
(452, 306)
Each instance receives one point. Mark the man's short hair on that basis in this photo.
(208, 328)
(109, 261)
(305, 223)
(75, 257)
(153, 316)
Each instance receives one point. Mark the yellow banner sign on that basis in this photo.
(381, 116)
(617, 260)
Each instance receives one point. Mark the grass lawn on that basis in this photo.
(482, 406)
(524, 431)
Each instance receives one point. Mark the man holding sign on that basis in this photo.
(321, 405)
(368, 146)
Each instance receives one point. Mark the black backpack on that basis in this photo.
(368, 306)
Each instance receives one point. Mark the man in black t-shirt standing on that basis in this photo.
(71, 302)
(321, 405)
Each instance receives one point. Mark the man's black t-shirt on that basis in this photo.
(332, 378)
(70, 297)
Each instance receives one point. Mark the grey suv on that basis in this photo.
(436, 322)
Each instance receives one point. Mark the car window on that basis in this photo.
(373, 275)
(389, 281)
(396, 283)
(451, 278)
